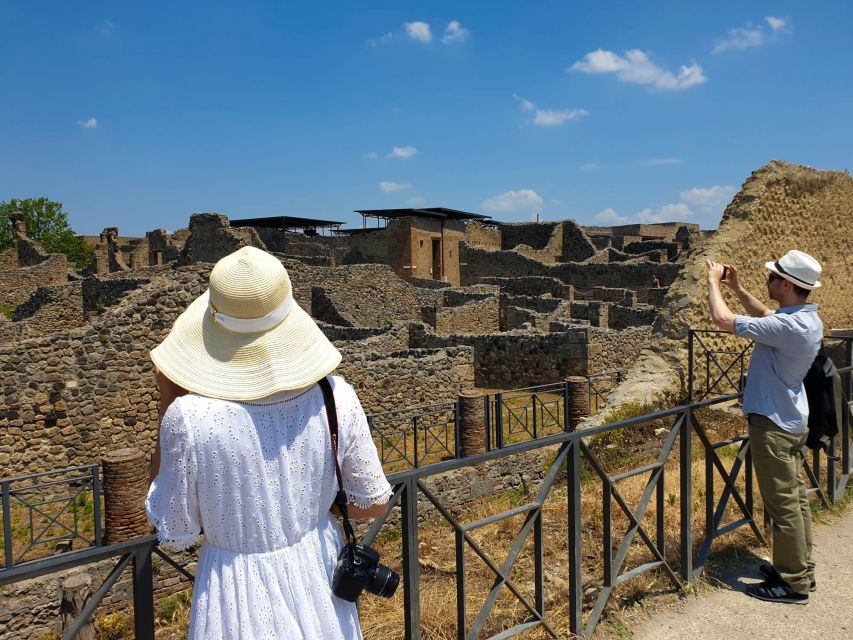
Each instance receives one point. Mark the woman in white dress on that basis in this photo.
(245, 455)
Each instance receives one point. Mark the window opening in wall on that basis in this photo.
(422, 243)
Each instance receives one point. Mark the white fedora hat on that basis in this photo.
(245, 337)
(797, 267)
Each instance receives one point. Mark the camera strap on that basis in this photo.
(341, 496)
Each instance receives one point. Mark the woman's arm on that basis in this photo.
(360, 513)
(168, 392)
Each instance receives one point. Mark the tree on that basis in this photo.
(46, 223)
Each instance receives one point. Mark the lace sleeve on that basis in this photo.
(172, 503)
(364, 479)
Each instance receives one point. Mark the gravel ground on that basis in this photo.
(729, 614)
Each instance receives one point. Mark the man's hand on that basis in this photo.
(731, 279)
(715, 271)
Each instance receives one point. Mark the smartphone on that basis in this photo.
(725, 273)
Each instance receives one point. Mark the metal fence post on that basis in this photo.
(96, 504)
(143, 594)
(847, 387)
(411, 576)
(685, 464)
(7, 525)
(573, 471)
(690, 375)
(499, 421)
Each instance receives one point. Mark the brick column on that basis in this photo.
(125, 487)
(472, 429)
(578, 390)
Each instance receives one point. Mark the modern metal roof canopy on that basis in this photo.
(287, 222)
(429, 212)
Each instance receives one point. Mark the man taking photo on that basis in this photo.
(774, 401)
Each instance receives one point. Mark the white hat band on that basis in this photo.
(253, 325)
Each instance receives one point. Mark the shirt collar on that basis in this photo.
(797, 307)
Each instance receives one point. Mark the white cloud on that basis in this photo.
(402, 152)
(549, 117)
(667, 213)
(740, 38)
(389, 187)
(418, 31)
(455, 33)
(636, 67)
(106, 29)
(520, 201)
(556, 117)
(609, 216)
(590, 166)
(371, 155)
(556, 201)
(779, 24)
(708, 196)
(91, 123)
(657, 162)
(385, 38)
(415, 201)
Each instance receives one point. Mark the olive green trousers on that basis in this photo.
(777, 457)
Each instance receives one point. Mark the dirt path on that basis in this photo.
(730, 614)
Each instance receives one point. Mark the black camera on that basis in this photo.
(359, 568)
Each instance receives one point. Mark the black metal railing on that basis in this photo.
(584, 468)
(416, 436)
(722, 370)
(525, 414)
(599, 385)
(59, 508)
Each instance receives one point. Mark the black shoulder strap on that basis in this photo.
(332, 416)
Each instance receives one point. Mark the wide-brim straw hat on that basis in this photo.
(245, 338)
(797, 267)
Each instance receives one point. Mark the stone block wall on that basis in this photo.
(17, 285)
(536, 235)
(51, 309)
(622, 316)
(611, 349)
(577, 247)
(478, 316)
(407, 378)
(212, 237)
(8, 260)
(479, 263)
(487, 236)
(517, 359)
(609, 294)
(529, 286)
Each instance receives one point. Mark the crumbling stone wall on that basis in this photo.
(536, 235)
(577, 247)
(483, 235)
(212, 237)
(8, 259)
(366, 295)
(479, 263)
(51, 309)
(17, 285)
(622, 316)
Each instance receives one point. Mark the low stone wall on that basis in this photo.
(594, 312)
(103, 291)
(406, 378)
(429, 284)
(610, 350)
(392, 339)
(477, 316)
(8, 260)
(17, 285)
(621, 316)
(51, 309)
(517, 359)
(540, 305)
(479, 263)
(609, 294)
(529, 286)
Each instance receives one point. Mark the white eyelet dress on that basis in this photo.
(259, 479)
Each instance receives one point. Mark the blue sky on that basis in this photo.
(137, 114)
